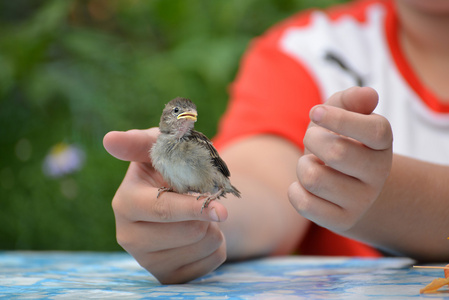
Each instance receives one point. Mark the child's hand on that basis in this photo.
(168, 235)
(348, 157)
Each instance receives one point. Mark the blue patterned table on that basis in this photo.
(84, 275)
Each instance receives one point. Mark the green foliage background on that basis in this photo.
(72, 70)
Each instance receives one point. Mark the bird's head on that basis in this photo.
(178, 117)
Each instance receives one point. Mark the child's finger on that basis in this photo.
(132, 145)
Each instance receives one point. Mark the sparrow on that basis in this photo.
(186, 158)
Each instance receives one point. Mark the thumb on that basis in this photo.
(361, 100)
(132, 145)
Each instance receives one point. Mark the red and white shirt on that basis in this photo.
(305, 59)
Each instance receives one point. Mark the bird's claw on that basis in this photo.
(163, 190)
(210, 198)
(206, 202)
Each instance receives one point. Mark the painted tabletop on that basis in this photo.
(87, 275)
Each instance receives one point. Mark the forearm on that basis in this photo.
(410, 217)
(263, 222)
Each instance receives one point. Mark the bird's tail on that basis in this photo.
(235, 191)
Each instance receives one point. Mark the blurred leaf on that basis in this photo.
(25, 44)
(71, 70)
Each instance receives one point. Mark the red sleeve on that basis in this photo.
(272, 95)
(320, 241)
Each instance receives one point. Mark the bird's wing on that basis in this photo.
(215, 157)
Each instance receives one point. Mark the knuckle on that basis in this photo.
(383, 135)
(310, 178)
(115, 206)
(197, 230)
(295, 196)
(340, 120)
(345, 221)
(308, 137)
(163, 275)
(121, 205)
(214, 235)
(337, 152)
(124, 241)
(305, 207)
(219, 256)
(350, 216)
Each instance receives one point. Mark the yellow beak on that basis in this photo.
(188, 115)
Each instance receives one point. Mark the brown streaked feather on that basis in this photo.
(215, 157)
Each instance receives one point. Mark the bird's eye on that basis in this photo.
(176, 110)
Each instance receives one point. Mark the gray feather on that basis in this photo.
(186, 158)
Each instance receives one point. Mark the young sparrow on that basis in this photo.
(186, 158)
